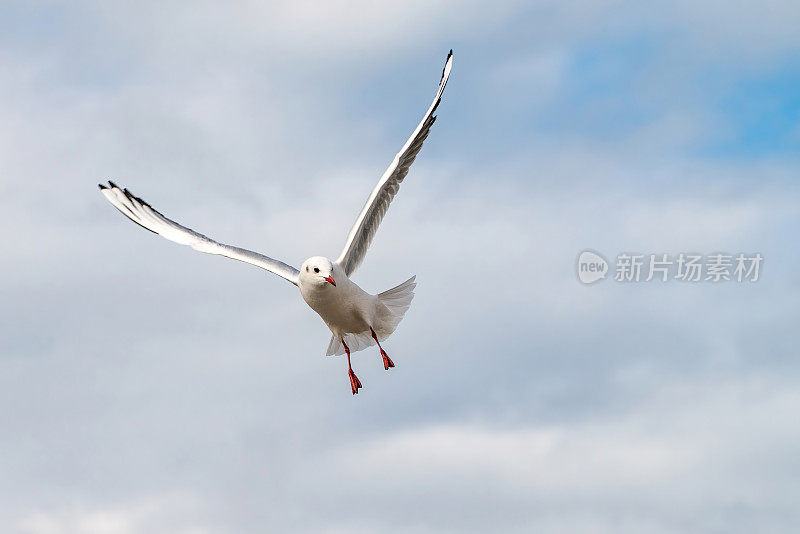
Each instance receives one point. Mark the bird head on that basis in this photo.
(317, 271)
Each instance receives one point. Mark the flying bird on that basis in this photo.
(356, 319)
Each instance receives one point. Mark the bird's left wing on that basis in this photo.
(148, 218)
(372, 213)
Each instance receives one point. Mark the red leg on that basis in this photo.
(387, 362)
(355, 383)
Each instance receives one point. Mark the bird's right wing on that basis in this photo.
(372, 213)
(148, 218)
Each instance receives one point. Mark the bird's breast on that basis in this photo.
(342, 309)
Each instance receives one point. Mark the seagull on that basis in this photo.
(356, 319)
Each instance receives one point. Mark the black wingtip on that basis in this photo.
(446, 61)
(113, 185)
(101, 186)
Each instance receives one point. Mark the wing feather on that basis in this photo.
(151, 219)
(377, 204)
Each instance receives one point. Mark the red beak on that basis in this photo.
(330, 279)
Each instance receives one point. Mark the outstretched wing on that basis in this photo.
(148, 218)
(378, 202)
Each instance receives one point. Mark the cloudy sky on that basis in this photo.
(148, 388)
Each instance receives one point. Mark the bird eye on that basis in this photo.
(306, 268)
(316, 269)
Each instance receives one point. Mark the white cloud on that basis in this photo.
(671, 455)
(156, 515)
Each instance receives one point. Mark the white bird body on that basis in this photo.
(349, 311)
(345, 307)
(355, 318)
